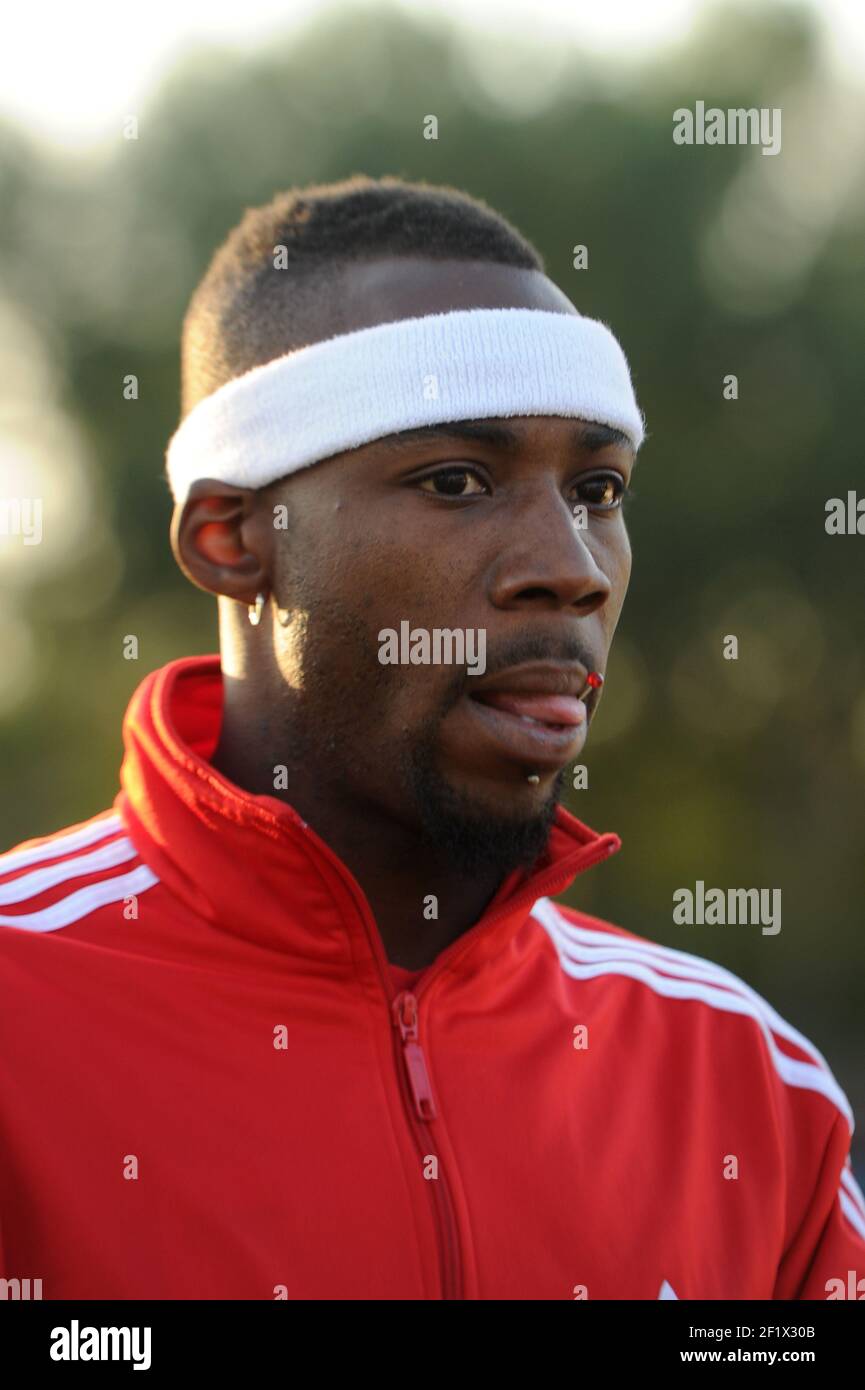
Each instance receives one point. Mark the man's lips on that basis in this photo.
(527, 719)
(545, 691)
(550, 710)
(504, 728)
(531, 714)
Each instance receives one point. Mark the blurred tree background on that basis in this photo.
(704, 260)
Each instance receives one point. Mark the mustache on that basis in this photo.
(516, 651)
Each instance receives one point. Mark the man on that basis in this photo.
(298, 1018)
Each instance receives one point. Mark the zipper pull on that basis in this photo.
(405, 1018)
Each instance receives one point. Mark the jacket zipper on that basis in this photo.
(411, 1066)
(422, 1110)
(417, 1086)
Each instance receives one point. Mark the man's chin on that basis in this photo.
(475, 835)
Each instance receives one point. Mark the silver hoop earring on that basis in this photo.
(254, 611)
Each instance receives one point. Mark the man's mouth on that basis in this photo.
(550, 711)
(522, 723)
(531, 715)
(509, 727)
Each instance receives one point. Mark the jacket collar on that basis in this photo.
(250, 866)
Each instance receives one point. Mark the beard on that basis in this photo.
(472, 841)
(462, 830)
(321, 731)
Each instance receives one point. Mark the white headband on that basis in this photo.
(337, 394)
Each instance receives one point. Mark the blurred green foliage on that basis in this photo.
(705, 261)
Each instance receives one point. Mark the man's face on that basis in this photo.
(465, 527)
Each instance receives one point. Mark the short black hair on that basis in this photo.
(246, 311)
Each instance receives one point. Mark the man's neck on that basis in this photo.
(419, 902)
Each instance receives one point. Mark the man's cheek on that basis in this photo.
(416, 577)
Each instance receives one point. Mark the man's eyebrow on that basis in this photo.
(596, 437)
(591, 437)
(476, 431)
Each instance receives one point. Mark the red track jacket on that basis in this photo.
(212, 1084)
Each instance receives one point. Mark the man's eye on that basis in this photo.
(453, 482)
(607, 492)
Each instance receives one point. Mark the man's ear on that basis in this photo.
(222, 542)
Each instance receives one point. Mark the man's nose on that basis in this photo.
(545, 561)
